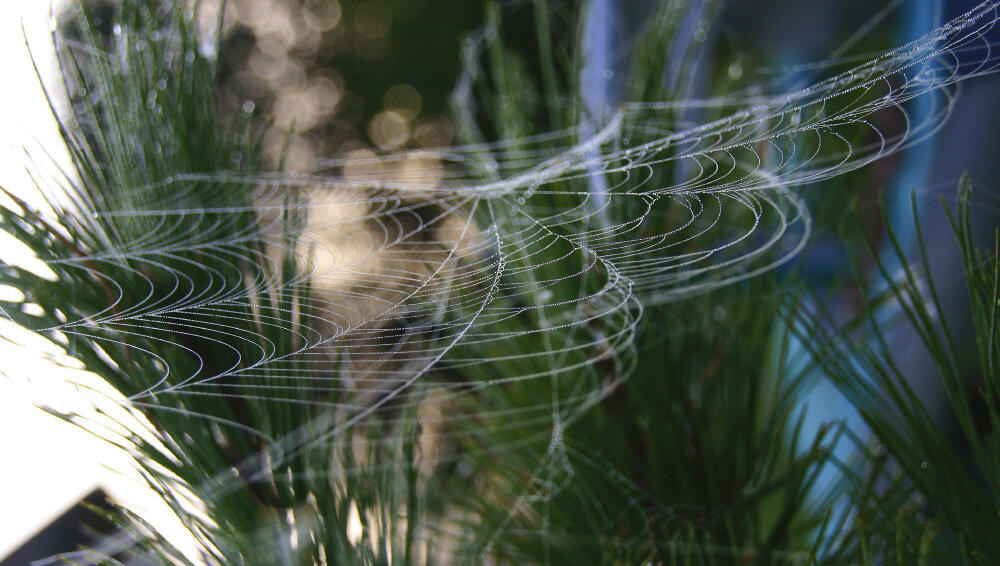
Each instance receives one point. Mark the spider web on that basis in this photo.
(405, 286)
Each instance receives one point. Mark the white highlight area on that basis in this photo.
(47, 465)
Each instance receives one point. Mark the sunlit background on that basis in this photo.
(47, 465)
(349, 76)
